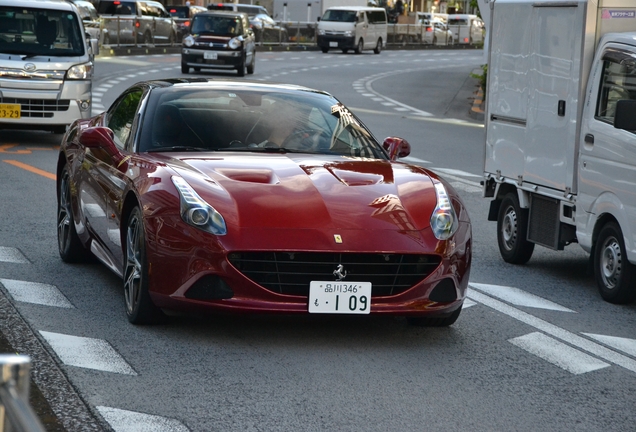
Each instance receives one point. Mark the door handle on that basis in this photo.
(589, 138)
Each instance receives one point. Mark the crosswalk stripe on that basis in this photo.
(87, 353)
(555, 331)
(628, 346)
(558, 353)
(36, 293)
(12, 255)
(518, 297)
(131, 421)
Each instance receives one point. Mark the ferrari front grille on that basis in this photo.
(38, 108)
(291, 272)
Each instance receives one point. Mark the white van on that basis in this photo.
(352, 27)
(46, 65)
(467, 29)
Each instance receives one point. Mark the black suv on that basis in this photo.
(219, 40)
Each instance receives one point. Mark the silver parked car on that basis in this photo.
(136, 22)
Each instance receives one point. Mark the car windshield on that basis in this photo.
(339, 15)
(270, 120)
(33, 32)
(217, 25)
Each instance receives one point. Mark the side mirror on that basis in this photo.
(625, 115)
(97, 137)
(396, 147)
(101, 138)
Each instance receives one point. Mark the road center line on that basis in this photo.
(553, 330)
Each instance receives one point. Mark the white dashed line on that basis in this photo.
(131, 421)
(87, 353)
(36, 293)
(12, 255)
(558, 353)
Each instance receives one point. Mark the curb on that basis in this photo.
(477, 109)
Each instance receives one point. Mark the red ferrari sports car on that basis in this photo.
(251, 197)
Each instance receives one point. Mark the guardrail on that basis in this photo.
(289, 33)
(16, 415)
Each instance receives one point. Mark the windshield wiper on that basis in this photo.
(178, 148)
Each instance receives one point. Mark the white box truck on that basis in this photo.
(560, 152)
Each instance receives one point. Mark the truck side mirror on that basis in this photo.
(625, 115)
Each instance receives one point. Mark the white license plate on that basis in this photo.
(340, 297)
(210, 55)
(333, 44)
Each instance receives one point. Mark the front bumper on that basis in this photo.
(336, 42)
(193, 57)
(205, 260)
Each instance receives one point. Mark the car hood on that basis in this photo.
(306, 191)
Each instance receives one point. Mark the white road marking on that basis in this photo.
(555, 331)
(519, 297)
(120, 60)
(628, 346)
(12, 255)
(468, 303)
(558, 353)
(455, 172)
(462, 186)
(411, 159)
(131, 421)
(36, 293)
(87, 353)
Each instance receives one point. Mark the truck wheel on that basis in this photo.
(184, 68)
(615, 275)
(360, 46)
(512, 226)
(324, 50)
(378, 47)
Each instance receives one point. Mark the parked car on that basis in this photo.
(182, 15)
(219, 40)
(250, 10)
(267, 30)
(136, 22)
(222, 195)
(467, 29)
(92, 25)
(435, 32)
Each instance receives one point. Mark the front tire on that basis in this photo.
(184, 68)
(615, 275)
(252, 65)
(240, 70)
(324, 50)
(378, 47)
(360, 46)
(512, 226)
(69, 244)
(139, 306)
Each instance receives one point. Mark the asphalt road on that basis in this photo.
(535, 348)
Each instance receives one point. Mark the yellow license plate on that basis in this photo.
(11, 111)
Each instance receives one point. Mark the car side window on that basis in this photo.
(618, 82)
(122, 116)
